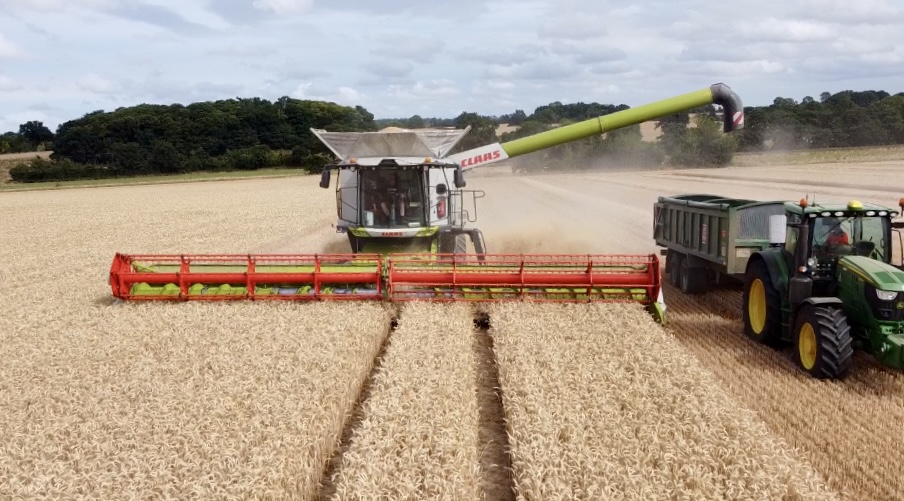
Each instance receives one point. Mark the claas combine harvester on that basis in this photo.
(400, 198)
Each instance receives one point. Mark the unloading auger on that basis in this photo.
(400, 200)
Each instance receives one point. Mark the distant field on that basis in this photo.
(192, 177)
(745, 159)
(9, 160)
(824, 155)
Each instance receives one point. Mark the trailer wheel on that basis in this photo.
(823, 343)
(675, 260)
(762, 306)
(692, 279)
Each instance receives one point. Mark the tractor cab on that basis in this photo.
(833, 231)
(817, 237)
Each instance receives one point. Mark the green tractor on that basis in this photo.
(828, 284)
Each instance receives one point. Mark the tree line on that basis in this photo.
(234, 134)
(254, 133)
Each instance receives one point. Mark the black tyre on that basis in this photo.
(675, 261)
(822, 341)
(461, 244)
(453, 244)
(355, 243)
(761, 306)
(692, 280)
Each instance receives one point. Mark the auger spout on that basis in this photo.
(720, 94)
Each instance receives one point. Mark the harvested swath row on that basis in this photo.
(419, 437)
(848, 430)
(602, 403)
(213, 401)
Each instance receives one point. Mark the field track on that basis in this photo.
(161, 395)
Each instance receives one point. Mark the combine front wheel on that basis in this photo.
(454, 244)
(823, 342)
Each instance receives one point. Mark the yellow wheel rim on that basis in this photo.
(756, 306)
(806, 345)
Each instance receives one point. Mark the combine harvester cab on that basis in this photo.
(400, 197)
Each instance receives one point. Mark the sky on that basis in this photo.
(60, 59)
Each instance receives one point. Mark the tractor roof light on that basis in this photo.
(803, 202)
(855, 205)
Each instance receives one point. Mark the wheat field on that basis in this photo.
(418, 438)
(602, 403)
(350, 400)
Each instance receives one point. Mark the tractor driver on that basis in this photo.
(836, 235)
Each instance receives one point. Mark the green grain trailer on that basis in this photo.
(707, 238)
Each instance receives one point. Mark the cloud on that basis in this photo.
(428, 90)
(283, 7)
(98, 85)
(9, 85)
(871, 12)
(787, 30)
(398, 58)
(412, 48)
(8, 50)
(588, 52)
(575, 25)
(389, 68)
(342, 95)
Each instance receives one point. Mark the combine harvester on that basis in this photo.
(400, 199)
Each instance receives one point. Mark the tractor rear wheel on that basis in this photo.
(762, 306)
(823, 343)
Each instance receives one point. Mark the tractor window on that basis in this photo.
(392, 198)
(791, 237)
(862, 236)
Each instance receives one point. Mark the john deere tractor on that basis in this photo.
(829, 285)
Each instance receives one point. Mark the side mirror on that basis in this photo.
(325, 178)
(897, 225)
(441, 189)
(778, 229)
(460, 178)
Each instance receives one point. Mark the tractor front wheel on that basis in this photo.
(823, 343)
(762, 306)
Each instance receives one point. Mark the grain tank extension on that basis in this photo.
(400, 198)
